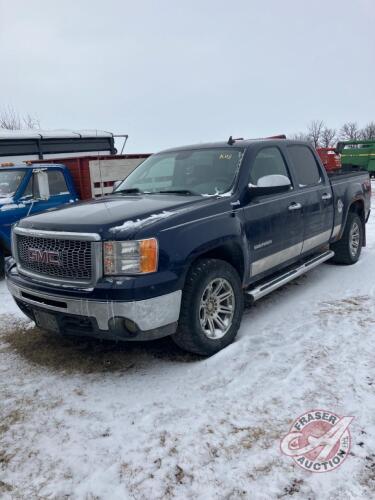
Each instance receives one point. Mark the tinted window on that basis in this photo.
(268, 162)
(57, 184)
(306, 167)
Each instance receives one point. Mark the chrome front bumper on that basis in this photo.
(149, 314)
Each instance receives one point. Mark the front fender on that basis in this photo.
(189, 241)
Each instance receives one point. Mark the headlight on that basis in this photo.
(130, 257)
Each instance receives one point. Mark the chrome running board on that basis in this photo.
(282, 279)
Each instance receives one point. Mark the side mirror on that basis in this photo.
(42, 180)
(116, 185)
(270, 184)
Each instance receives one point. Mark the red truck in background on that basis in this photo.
(330, 158)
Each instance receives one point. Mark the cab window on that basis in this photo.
(57, 183)
(268, 161)
(306, 167)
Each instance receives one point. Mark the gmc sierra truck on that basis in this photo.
(184, 238)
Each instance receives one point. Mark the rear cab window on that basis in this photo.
(57, 183)
(307, 170)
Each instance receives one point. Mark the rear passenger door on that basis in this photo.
(317, 199)
(273, 222)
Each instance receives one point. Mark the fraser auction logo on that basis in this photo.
(318, 441)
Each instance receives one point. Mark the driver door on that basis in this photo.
(58, 193)
(273, 222)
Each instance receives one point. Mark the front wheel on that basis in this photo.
(348, 248)
(211, 308)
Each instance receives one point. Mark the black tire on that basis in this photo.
(190, 334)
(344, 253)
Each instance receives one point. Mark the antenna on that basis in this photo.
(231, 141)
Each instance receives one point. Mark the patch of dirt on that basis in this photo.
(8, 420)
(85, 355)
(368, 473)
(359, 307)
(4, 458)
(5, 487)
(292, 488)
(346, 306)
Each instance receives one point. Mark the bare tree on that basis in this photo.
(328, 137)
(10, 119)
(31, 121)
(368, 132)
(349, 132)
(315, 130)
(300, 136)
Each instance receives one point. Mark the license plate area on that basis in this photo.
(46, 321)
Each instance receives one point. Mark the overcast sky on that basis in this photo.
(173, 72)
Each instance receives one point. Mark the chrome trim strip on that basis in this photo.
(147, 314)
(266, 288)
(273, 260)
(315, 241)
(58, 235)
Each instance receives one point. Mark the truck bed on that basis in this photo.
(345, 173)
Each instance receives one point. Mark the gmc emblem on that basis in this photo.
(44, 256)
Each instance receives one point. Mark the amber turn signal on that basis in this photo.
(148, 250)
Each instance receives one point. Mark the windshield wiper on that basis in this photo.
(177, 191)
(128, 191)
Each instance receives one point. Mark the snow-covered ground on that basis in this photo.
(87, 420)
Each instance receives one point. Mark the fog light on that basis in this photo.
(130, 326)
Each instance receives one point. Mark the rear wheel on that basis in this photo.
(348, 249)
(211, 308)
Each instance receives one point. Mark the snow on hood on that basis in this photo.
(11, 206)
(136, 224)
(227, 194)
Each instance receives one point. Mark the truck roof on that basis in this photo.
(243, 143)
(52, 134)
(25, 166)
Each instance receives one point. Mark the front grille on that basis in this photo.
(73, 259)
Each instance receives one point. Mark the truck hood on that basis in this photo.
(116, 216)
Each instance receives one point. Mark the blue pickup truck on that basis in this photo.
(184, 238)
(26, 190)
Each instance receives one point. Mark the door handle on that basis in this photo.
(294, 206)
(326, 196)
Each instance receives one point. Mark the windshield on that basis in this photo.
(9, 182)
(194, 171)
